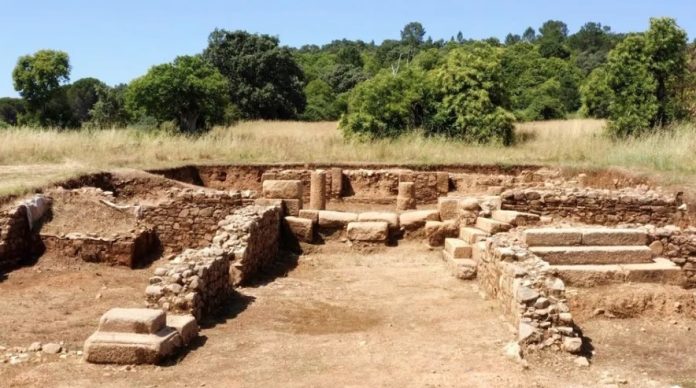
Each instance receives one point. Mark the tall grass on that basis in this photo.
(580, 143)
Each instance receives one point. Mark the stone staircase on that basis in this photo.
(461, 254)
(587, 257)
(139, 336)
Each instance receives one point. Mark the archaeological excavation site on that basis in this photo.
(357, 274)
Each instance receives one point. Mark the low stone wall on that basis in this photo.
(597, 206)
(530, 296)
(15, 237)
(189, 218)
(195, 282)
(130, 250)
(679, 245)
(252, 234)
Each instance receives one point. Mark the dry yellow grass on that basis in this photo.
(31, 157)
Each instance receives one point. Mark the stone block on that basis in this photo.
(448, 208)
(390, 218)
(185, 325)
(310, 215)
(133, 320)
(437, 231)
(492, 226)
(292, 207)
(471, 235)
(607, 236)
(302, 228)
(334, 219)
(457, 248)
(594, 254)
(514, 218)
(282, 189)
(403, 203)
(336, 182)
(129, 348)
(464, 269)
(370, 231)
(416, 219)
(442, 182)
(552, 237)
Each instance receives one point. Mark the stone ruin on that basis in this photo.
(523, 235)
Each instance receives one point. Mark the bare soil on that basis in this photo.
(339, 318)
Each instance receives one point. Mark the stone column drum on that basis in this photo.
(406, 199)
(317, 190)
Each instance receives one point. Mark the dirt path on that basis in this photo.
(394, 318)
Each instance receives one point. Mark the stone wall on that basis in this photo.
(195, 282)
(15, 237)
(252, 234)
(189, 218)
(679, 245)
(530, 296)
(130, 250)
(597, 206)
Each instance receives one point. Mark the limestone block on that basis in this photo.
(302, 228)
(310, 215)
(334, 219)
(406, 198)
(457, 248)
(292, 207)
(471, 235)
(417, 219)
(552, 237)
(390, 218)
(442, 182)
(317, 190)
(405, 203)
(492, 226)
(283, 189)
(448, 208)
(375, 231)
(437, 231)
(129, 348)
(133, 320)
(185, 325)
(336, 182)
(594, 254)
(514, 217)
(606, 236)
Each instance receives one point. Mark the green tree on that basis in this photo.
(81, 97)
(666, 44)
(552, 40)
(470, 95)
(412, 35)
(188, 90)
(11, 109)
(635, 105)
(596, 94)
(529, 35)
(265, 81)
(322, 102)
(110, 108)
(38, 78)
(386, 105)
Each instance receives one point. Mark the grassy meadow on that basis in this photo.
(33, 157)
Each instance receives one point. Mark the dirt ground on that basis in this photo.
(339, 318)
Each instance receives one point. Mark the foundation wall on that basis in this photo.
(189, 218)
(127, 250)
(679, 245)
(253, 235)
(16, 239)
(530, 297)
(597, 206)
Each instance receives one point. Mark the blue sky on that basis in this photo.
(118, 40)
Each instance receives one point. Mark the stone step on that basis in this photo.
(514, 218)
(492, 226)
(457, 248)
(661, 271)
(416, 219)
(129, 348)
(132, 320)
(574, 255)
(471, 235)
(584, 236)
(460, 268)
(390, 218)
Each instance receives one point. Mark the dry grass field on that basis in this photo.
(32, 157)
